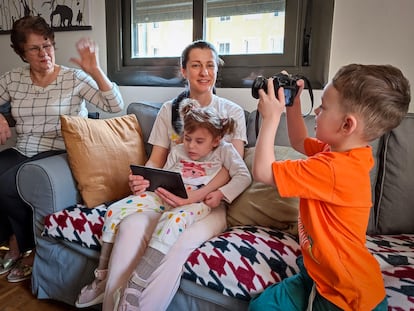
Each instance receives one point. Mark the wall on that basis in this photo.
(364, 31)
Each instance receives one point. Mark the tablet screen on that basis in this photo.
(169, 180)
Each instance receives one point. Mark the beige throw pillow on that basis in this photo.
(99, 154)
(261, 204)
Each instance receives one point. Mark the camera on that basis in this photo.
(288, 82)
(290, 88)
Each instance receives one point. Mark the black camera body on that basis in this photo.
(288, 82)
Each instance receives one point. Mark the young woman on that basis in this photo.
(199, 65)
(198, 159)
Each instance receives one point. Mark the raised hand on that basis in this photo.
(89, 62)
(88, 56)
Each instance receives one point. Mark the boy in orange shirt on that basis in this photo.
(337, 272)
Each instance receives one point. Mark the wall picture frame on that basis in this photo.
(61, 15)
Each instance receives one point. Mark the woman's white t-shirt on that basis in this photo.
(225, 108)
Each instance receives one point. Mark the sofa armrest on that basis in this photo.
(48, 186)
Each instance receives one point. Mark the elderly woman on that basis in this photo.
(38, 94)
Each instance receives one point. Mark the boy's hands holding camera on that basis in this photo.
(269, 105)
(267, 95)
(271, 108)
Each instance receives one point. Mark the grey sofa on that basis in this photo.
(61, 268)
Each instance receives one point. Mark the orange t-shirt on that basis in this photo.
(335, 203)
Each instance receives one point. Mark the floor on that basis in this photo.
(19, 297)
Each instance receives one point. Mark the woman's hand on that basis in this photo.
(88, 53)
(5, 132)
(214, 198)
(137, 184)
(88, 61)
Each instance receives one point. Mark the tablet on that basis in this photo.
(169, 180)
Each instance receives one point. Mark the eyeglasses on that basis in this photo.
(35, 50)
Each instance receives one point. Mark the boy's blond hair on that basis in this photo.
(380, 94)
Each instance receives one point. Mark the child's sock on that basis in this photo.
(104, 256)
(147, 265)
(138, 281)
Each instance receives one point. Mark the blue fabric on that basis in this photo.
(5, 108)
(291, 294)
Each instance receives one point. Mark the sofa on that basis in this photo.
(260, 245)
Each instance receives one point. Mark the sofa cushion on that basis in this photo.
(394, 202)
(99, 155)
(261, 204)
(77, 224)
(395, 254)
(243, 261)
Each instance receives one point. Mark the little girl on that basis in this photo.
(199, 158)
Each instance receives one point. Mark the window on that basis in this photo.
(224, 18)
(146, 37)
(223, 48)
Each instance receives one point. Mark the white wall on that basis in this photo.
(364, 31)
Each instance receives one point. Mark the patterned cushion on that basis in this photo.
(243, 261)
(395, 253)
(77, 224)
